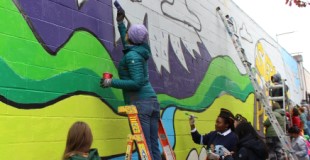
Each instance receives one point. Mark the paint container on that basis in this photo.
(107, 75)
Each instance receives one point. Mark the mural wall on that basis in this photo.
(53, 54)
(307, 84)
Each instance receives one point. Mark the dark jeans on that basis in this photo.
(149, 115)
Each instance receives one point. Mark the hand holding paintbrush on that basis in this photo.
(191, 120)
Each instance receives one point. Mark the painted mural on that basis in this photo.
(53, 54)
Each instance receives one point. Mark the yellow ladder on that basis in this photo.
(138, 136)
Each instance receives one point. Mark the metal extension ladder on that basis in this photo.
(281, 98)
(258, 90)
(138, 136)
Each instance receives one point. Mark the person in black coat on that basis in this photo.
(250, 146)
(278, 92)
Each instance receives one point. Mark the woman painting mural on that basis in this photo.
(134, 80)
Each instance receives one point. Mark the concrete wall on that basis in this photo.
(53, 53)
(307, 83)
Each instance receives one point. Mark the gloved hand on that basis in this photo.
(120, 16)
(191, 120)
(105, 83)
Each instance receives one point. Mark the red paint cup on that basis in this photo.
(107, 75)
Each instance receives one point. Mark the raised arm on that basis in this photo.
(122, 31)
(121, 27)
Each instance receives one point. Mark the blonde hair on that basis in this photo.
(79, 140)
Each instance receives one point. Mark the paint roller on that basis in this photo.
(119, 9)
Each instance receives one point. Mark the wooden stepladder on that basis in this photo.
(138, 136)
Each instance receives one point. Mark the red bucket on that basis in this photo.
(107, 75)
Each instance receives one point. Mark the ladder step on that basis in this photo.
(276, 86)
(247, 63)
(276, 98)
(164, 141)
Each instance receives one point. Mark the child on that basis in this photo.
(298, 143)
(223, 134)
(79, 141)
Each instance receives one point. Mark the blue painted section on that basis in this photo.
(290, 63)
(167, 120)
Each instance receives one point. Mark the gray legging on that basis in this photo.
(275, 148)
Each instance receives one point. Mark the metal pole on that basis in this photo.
(283, 34)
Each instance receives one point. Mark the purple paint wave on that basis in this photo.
(54, 21)
(180, 83)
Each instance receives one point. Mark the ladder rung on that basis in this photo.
(247, 62)
(276, 98)
(127, 109)
(276, 86)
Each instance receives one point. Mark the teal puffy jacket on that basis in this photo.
(133, 71)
